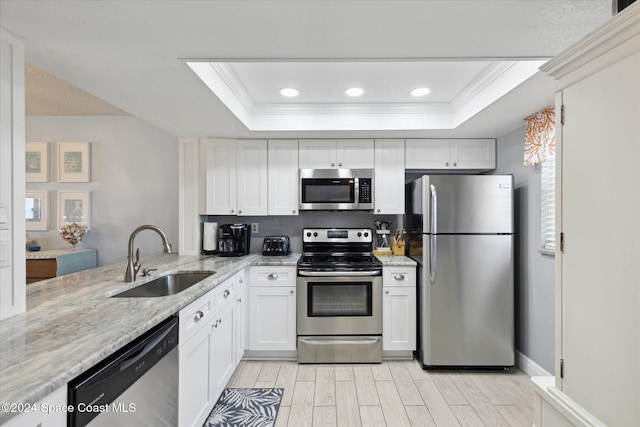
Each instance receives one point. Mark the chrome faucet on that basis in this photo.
(134, 266)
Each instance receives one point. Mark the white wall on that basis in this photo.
(534, 271)
(134, 181)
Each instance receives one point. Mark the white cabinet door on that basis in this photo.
(195, 397)
(223, 353)
(283, 182)
(355, 153)
(317, 154)
(218, 168)
(241, 316)
(399, 318)
(389, 176)
(473, 153)
(252, 177)
(39, 418)
(428, 154)
(272, 318)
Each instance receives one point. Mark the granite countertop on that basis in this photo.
(71, 323)
(395, 260)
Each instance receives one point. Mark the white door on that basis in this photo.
(399, 318)
(317, 154)
(355, 153)
(428, 154)
(273, 318)
(223, 351)
(218, 167)
(473, 153)
(389, 176)
(194, 396)
(283, 181)
(252, 177)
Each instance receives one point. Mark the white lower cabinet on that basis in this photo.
(38, 417)
(272, 309)
(208, 350)
(399, 309)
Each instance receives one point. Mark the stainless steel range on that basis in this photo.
(339, 305)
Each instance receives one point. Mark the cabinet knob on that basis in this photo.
(399, 277)
(239, 212)
(241, 280)
(291, 292)
(378, 210)
(293, 211)
(455, 164)
(272, 276)
(199, 315)
(232, 210)
(386, 292)
(239, 300)
(333, 165)
(340, 164)
(226, 293)
(446, 164)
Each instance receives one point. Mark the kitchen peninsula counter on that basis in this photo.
(72, 323)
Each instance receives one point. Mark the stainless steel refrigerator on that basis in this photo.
(461, 235)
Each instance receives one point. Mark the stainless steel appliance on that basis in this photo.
(461, 235)
(235, 240)
(275, 245)
(336, 189)
(339, 302)
(137, 385)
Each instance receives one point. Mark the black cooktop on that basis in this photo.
(339, 261)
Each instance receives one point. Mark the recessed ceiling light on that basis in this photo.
(420, 91)
(289, 92)
(354, 91)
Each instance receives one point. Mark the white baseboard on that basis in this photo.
(530, 367)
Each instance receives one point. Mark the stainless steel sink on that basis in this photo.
(168, 284)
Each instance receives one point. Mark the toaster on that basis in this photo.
(275, 245)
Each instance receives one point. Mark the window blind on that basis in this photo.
(548, 204)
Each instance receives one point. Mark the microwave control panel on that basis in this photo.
(365, 190)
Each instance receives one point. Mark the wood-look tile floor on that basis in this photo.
(394, 393)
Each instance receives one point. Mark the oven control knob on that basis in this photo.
(366, 234)
(315, 234)
(359, 234)
(308, 234)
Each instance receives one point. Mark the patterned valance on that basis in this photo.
(540, 136)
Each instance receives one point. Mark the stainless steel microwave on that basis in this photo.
(336, 189)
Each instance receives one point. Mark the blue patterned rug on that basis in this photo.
(247, 407)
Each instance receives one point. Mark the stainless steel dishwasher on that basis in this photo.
(135, 386)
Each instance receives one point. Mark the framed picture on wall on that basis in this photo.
(36, 162)
(37, 210)
(74, 162)
(74, 206)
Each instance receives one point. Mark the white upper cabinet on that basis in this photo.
(234, 177)
(283, 192)
(389, 176)
(218, 168)
(467, 154)
(338, 154)
(252, 177)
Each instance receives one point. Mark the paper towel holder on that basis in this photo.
(213, 244)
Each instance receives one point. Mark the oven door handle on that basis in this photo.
(365, 341)
(338, 273)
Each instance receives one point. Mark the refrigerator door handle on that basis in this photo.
(433, 223)
(432, 258)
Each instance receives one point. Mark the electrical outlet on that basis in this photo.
(254, 227)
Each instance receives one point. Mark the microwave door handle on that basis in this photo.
(356, 192)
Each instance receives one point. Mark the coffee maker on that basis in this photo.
(234, 240)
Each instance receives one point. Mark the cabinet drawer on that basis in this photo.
(194, 316)
(224, 293)
(270, 276)
(399, 276)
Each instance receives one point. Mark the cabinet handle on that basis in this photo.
(378, 210)
(399, 277)
(272, 276)
(446, 164)
(333, 165)
(455, 164)
(239, 212)
(386, 292)
(340, 164)
(199, 315)
(293, 211)
(232, 210)
(239, 300)
(219, 321)
(226, 293)
(241, 280)
(215, 325)
(291, 292)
